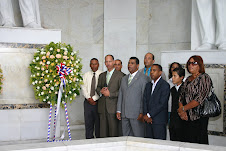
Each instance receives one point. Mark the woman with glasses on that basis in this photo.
(195, 89)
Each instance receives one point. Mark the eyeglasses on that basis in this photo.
(193, 63)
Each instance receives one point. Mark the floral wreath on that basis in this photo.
(46, 77)
(1, 79)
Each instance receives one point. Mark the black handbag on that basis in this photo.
(211, 106)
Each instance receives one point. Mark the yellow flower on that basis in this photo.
(44, 60)
(52, 64)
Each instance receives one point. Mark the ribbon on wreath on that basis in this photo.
(62, 70)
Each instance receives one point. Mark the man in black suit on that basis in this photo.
(156, 96)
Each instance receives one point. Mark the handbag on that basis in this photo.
(211, 106)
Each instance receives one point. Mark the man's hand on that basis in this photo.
(145, 117)
(91, 101)
(140, 117)
(118, 115)
(106, 92)
(149, 120)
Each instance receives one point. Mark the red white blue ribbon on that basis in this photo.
(62, 70)
(49, 124)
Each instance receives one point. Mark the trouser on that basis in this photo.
(92, 120)
(108, 125)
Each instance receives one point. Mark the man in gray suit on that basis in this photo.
(107, 88)
(130, 100)
(149, 60)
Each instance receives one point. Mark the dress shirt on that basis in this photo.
(177, 87)
(133, 75)
(153, 88)
(87, 81)
(110, 74)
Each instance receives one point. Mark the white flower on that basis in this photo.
(42, 49)
(50, 81)
(52, 88)
(65, 49)
(69, 92)
(76, 61)
(65, 96)
(33, 60)
(75, 94)
(42, 93)
(77, 79)
(33, 83)
(70, 81)
(51, 49)
(44, 100)
(56, 60)
(37, 58)
(36, 81)
(39, 94)
(38, 68)
(74, 89)
(72, 53)
(48, 102)
(72, 74)
(63, 102)
(64, 62)
(48, 62)
(47, 97)
(38, 87)
(33, 75)
(47, 71)
(39, 81)
(56, 92)
(42, 74)
(47, 76)
(70, 98)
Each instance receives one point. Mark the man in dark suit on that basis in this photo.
(130, 100)
(156, 96)
(108, 86)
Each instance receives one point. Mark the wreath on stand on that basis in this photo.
(56, 78)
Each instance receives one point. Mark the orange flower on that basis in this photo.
(44, 60)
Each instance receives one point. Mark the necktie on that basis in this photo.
(93, 84)
(108, 78)
(130, 79)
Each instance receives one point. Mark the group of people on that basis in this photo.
(137, 104)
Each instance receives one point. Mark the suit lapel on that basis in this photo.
(104, 79)
(157, 86)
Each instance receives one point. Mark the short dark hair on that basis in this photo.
(180, 72)
(119, 60)
(170, 73)
(153, 57)
(159, 66)
(199, 60)
(111, 56)
(94, 59)
(135, 58)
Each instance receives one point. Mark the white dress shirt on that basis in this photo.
(87, 81)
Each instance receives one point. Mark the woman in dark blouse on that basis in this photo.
(175, 125)
(195, 89)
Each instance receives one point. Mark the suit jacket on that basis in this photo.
(130, 99)
(109, 104)
(156, 104)
(163, 75)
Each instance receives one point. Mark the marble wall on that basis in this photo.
(160, 25)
